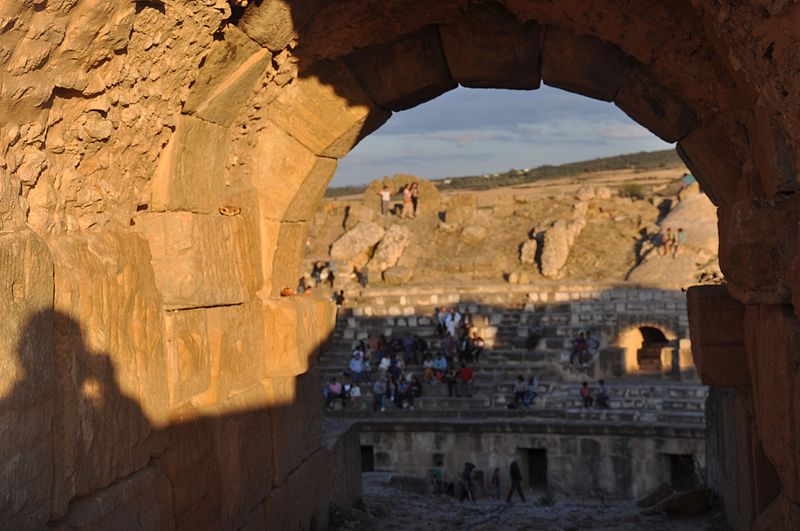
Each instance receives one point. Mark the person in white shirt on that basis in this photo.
(386, 198)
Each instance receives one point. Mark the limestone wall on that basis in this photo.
(160, 162)
(582, 461)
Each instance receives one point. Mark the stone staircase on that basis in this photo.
(641, 399)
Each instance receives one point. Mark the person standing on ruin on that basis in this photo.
(407, 204)
(603, 396)
(519, 390)
(495, 482)
(680, 240)
(669, 242)
(386, 198)
(478, 345)
(468, 487)
(415, 196)
(516, 481)
(531, 390)
(379, 392)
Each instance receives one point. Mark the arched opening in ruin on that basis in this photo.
(648, 348)
(650, 352)
(184, 196)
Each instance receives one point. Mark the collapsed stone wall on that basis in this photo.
(161, 161)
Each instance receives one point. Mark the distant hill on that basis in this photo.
(644, 160)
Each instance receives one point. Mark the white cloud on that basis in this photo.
(470, 132)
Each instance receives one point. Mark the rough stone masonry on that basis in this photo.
(159, 163)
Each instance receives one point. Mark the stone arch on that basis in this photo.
(287, 117)
(132, 130)
(631, 338)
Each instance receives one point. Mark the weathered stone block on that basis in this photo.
(110, 361)
(213, 351)
(326, 110)
(274, 24)
(390, 248)
(719, 175)
(189, 356)
(489, 47)
(191, 168)
(655, 108)
(287, 261)
(228, 75)
(199, 259)
(736, 467)
(190, 460)
(749, 231)
(716, 323)
(405, 73)
(27, 381)
(246, 451)
(773, 356)
(293, 398)
(585, 65)
(294, 329)
(141, 501)
(290, 180)
(355, 247)
(781, 514)
(774, 156)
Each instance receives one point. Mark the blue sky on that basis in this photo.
(476, 131)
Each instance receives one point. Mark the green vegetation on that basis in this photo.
(642, 161)
(632, 190)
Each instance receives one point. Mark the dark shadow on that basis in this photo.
(89, 457)
(664, 208)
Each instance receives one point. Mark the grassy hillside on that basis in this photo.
(637, 161)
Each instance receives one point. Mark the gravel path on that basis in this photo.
(392, 508)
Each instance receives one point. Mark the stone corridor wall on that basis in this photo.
(159, 162)
(582, 461)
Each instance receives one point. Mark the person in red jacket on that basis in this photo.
(465, 376)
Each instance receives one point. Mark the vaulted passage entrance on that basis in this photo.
(162, 161)
(649, 355)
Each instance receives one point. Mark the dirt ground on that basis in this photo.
(391, 508)
(608, 248)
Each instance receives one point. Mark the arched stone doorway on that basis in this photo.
(168, 155)
(646, 345)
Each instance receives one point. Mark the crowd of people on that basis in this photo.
(388, 365)
(396, 368)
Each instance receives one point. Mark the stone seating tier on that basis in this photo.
(688, 419)
(674, 403)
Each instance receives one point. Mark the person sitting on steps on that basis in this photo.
(586, 395)
(603, 395)
(578, 349)
(427, 368)
(519, 391)
(465, 377)
(531, 390)
(439, 366)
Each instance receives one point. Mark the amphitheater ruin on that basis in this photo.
(161, 161)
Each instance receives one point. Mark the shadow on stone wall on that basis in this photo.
(78, 449)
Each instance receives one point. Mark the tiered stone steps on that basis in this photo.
(503, 319)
